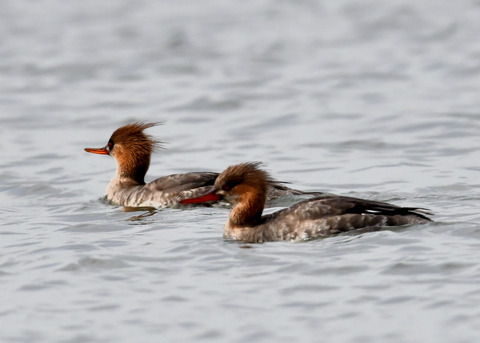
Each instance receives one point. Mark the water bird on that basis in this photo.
(245, 187)
(132, 149)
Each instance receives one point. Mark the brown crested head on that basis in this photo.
(243, 177)
(132, 136)
(132, 147)
(245, 187)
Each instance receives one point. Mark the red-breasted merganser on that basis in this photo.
(132, 147)
(245, 185)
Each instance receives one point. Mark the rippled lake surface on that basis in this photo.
(369, 99)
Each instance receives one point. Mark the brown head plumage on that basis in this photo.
(131, 147)
(133, 135)
(245, 187)
(245, 173)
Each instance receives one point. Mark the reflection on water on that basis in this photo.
(140, 219)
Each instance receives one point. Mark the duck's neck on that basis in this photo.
(133, 171)
(248, 209)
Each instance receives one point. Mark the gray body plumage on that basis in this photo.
(168, 191)
(165, 191)
(324, 217)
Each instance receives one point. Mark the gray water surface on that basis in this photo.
(370, 99)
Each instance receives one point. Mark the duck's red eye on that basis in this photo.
(226, 187)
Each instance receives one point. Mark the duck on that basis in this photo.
(245, 187)
(132, 147)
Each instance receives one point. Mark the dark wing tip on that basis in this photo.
(359, 206)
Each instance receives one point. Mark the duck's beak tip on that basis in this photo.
(100, 151)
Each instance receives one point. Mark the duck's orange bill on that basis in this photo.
(202, 198)
(100, 151)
